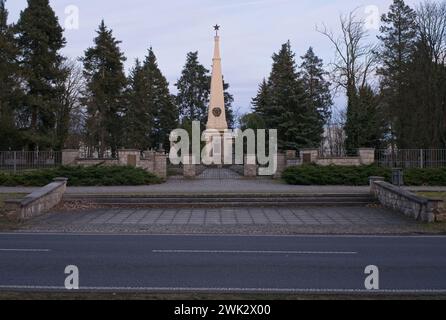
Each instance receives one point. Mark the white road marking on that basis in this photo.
(254, 252)
(231, 290)
(25, 250)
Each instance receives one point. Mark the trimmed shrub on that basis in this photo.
(333, 175)
(425, 177)
(359, 176)
(82, 176)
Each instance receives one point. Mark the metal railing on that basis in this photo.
(18, 161)
(411, 158)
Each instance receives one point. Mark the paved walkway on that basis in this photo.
(232, 220)
(219, 174)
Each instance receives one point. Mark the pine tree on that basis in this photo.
(104, 95)
(372, 119)
(283, 103)
(261, 101)
(229, 99)
(193, 91)
(313, 76)
(9, 86)
(139, 115)
(40, 39)
(398, 37)
(162, 102)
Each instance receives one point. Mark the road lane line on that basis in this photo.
(25, 250)
(256, 252)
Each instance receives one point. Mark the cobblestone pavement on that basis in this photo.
(219, 174)
(226, 220)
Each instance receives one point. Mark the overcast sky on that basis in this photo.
(252, 30)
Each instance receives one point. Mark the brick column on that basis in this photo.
(69, 156)
(281, 165)
(129, 157)
(309, 155)
(250, 166)
(189, 168)
(367, 156)
(291, 154)
(161, 165)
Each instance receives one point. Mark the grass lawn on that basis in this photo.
(6, 223)
(435, 195)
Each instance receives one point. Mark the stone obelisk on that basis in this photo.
(217, 112)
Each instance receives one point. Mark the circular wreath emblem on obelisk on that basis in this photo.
(217, 112)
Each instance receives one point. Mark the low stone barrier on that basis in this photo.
(153, 162)
(412, 205)
(39, 201)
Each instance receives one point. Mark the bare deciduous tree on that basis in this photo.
(71, 116)
(431, 21)
(355, 59)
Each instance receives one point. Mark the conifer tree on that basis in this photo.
(9, 85)
(161, 102)
(104, 94)
(313, 76)
(229, 99)
(283, 104)
(193, 91)
(139, 116)
(261, 101)
(40, 39)
(398, 37)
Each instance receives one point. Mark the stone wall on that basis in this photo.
(366, 157)
(153, 162)
(39, 201)
(335, 161)
(412, 205)
(95, 162)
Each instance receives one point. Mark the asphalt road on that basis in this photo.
(289, 264)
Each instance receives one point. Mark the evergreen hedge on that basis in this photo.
(82, 176)
(359, 176)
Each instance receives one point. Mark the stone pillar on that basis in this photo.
(367, 156)
(309, 155)
(372, 181)
(250, 167)
(160, 166)
(69, 156)
(189, 168)
(291, 154)
(129, 157)
(149, 155)
(281, 165)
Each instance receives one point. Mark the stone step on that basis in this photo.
(227, 200)
(234, 204)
